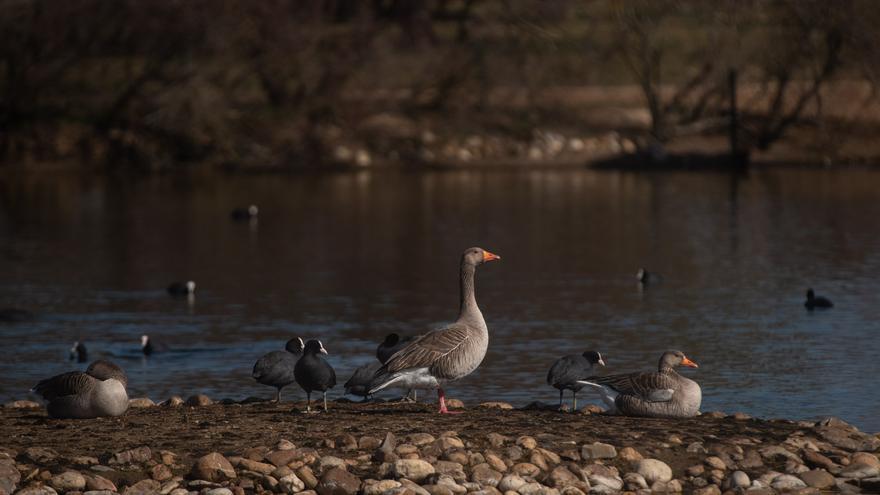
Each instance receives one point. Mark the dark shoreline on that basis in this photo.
(702, 453)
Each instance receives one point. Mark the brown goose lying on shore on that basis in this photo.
(99, 391)
(448, 353)
(661, 394)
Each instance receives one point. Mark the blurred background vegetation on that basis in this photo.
(280, 84)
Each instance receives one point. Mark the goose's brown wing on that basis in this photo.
(429, 349)
(649, 386)
(70, 383)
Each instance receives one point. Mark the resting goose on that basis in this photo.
(567, 370)
(276, 368)
(313, 373)
(814, 301)
(99, 391)
(448, 353)
(664, 394)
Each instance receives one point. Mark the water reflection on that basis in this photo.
(351, 257)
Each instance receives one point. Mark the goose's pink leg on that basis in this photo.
(442, 396)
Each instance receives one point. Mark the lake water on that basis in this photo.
(350, 257)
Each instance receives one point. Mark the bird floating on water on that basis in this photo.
(79, 353)
(814, 301)
(182, 288)
(248, 213)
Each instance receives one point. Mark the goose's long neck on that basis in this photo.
(467, 309)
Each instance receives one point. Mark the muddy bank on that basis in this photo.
(265, 447)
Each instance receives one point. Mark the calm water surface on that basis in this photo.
(351, 257)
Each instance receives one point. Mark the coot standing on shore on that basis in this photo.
(568, 370)
(313, 373)
(276, 368)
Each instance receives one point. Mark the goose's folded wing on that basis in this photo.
(428, 349)
(653, 387)
(70, 383)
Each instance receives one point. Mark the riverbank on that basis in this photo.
(265, 447)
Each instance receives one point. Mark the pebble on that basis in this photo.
(37, 490)
(495, 439)
(635, 481)
(198, 400)
(708, 490)
(338, 481)
(598, 450)
(561, 477)
(143, 487)
(412, 469)
(419, 439)
(485, 475)
(160, 472)
(525, 469)
(614, 483)
(510, 482)
(495, 405)
(715, 462)
(817, 478)
(654, 470)
(218, 491)
(329, 461)
(140, 402)
(291, 483)
(629, 454)
(737, 479)
(380, 487)
(213, 467)
(132, 456)
(453, 469)
(68, 481)
(495, 462)
(787, 482)
(526, 442)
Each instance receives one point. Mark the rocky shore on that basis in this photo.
(195, 446)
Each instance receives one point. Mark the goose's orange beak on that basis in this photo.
(687, 362)
(487, 256)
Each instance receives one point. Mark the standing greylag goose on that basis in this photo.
(313, 373)
(389, 347)
(448, 353)
(361, 379)
(814, 301)
(100, 391)
(664, 394)
(79, 352)
(276, 368)
(567, 370)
